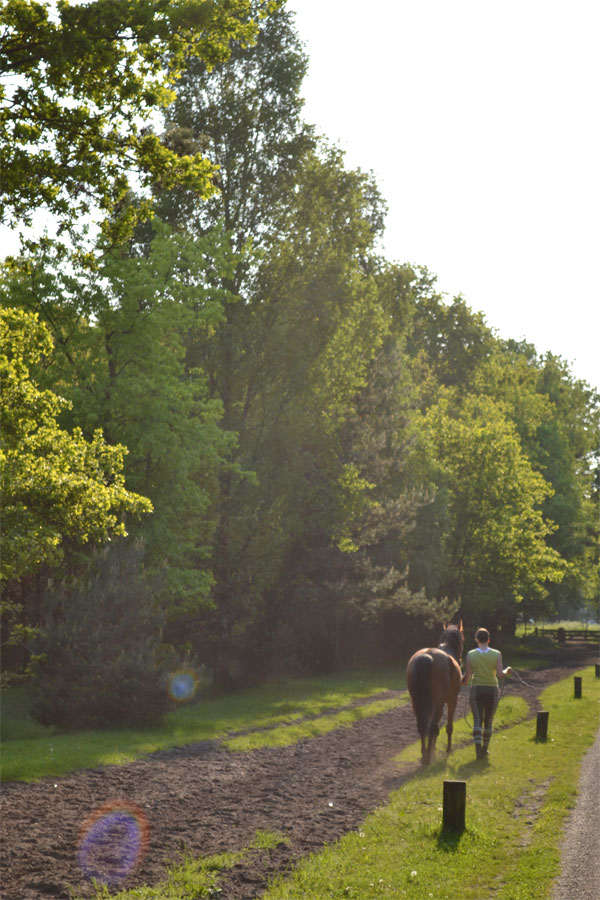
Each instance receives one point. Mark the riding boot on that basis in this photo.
(479, 751)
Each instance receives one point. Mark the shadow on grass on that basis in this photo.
(449, 840)
(471, 768)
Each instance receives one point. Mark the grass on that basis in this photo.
(30, 751)
(287, 735)
(516, 808)
(195, 879)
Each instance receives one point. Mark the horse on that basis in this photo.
(434, 677)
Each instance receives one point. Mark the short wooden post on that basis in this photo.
(597, 670)
(577, 682)
(541, 733)
(455, 802)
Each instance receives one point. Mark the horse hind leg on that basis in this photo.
(426, 742)
(451, 708)
(424, 750)
(434, 730)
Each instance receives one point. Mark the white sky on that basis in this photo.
(480, 122)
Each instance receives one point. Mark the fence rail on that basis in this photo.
(571, 634)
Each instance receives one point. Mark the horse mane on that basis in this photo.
(452, 641)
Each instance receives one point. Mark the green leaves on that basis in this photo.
(55, 484)
(495, 536)
(85, 81)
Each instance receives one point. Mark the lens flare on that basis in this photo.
(182, 685)
(112, 841)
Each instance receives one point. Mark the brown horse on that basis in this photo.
(434, 677)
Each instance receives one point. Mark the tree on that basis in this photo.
(454, 339)
(293, 359)
(494, 537)
(245, 115)
(568, 453)
(98, 661)
(120, 336)
(81, 81)
(295, 348)
(57, 487)
(558, 421)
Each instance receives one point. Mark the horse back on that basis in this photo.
(442, 671)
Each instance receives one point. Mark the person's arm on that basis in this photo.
(500, 672)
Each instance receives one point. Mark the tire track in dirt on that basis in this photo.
(202, 799)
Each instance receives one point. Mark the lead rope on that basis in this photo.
(526, 683)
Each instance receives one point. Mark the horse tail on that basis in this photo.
(421, 692)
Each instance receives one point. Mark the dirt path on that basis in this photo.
(202, 799)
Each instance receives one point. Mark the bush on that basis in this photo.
(98, 657)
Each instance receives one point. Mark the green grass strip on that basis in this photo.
(516, 808)
(194, 879)
(30, 752)
(291, 734)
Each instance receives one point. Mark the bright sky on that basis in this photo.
(480, 122)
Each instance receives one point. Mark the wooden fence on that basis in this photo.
(562, 635)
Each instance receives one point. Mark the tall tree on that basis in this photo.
(81, 82)
(58, 489)
(293, 357)
(295, 349)
(121, 338)
(245, 116)
(494, 535)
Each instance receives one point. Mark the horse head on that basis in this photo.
(453, 640)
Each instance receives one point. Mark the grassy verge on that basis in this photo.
(30, 751)
(195, 879)
(516, 807)
(291, 734)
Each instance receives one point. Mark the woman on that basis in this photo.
(484, 666)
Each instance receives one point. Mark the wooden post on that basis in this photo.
(597, 670)
(541, 733)
(577, 682)
(455, 801)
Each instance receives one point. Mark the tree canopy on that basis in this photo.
(55, 485)
(78, 84)
(337, 458)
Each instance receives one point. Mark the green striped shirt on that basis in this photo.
(484, 665)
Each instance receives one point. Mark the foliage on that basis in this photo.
(97, 662)
(455, 340)
(336, 456)
(120, 334)
(55, 485)
(494, 532)
(80, 83)
(556, 422)
(245, 116)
